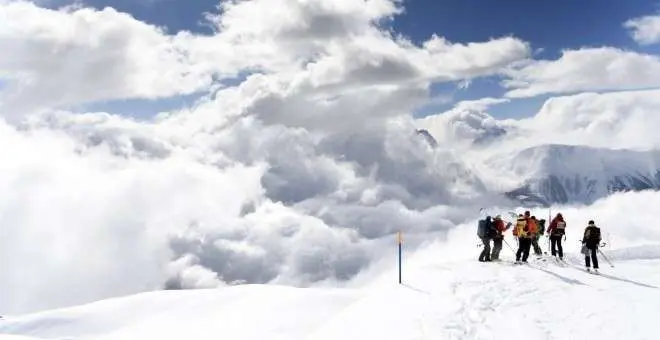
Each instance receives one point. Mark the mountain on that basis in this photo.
(577, 174)
(446, 294)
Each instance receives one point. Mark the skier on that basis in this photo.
(526, 231)
(557, 231)
(485, 233)
(499, 237)
(591, 240)
(535, 239)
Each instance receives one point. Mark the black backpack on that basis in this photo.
(491, 232)
(482, 228)
(593, 234)
(541, 226)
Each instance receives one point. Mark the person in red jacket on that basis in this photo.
(557, 230)
(497, 240)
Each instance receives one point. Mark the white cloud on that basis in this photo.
(645, 30)
(466, 124)
(139, 206)
(587, 69)
(81, 55)
(481, 104)
(626, 119)
(616, 120)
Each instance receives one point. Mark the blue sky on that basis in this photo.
(547, 25)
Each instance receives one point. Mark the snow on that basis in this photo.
(446, 294)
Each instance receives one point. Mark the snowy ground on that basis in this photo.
(446, 295)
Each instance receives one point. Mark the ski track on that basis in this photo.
(483, 299)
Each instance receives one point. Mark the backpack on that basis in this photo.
(560, 228)
(491, 232)
(482, 229)
(593, 234)
(521, 228)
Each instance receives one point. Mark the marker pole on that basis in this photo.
(399, 241)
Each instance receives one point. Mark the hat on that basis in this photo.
(498, 217)
(591, 222)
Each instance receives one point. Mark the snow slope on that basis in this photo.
(446, 295)
(578, 174)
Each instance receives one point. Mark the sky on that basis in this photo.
(286, 150)
(549, 27)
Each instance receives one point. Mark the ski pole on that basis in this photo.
(507, 244)
(605, 257)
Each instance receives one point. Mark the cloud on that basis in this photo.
(625, 119)
(587, 69)
(81, 55)
(85, 204)
(644, 30)
(481, 104)
(466, 124)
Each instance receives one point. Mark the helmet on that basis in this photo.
(498, 217)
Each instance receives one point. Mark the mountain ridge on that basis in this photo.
(562, 174)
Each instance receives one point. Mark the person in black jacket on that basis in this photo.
(591, 240)
(490, 233)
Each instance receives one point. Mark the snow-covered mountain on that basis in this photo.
(577, 174)
(446, 294)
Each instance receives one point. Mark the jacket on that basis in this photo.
(552, 229)
(591, 237)
(500, 228)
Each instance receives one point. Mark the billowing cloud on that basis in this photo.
(587, 69)
(466, 125)
(89, 200)
(645, 30)
(80, 55)
(626, 119)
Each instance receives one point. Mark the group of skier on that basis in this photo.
(528, 230)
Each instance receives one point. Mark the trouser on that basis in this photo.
(497, 247)
(485, 253)
(556, 248)
(535, 244)
(524, 244)
(594, 258)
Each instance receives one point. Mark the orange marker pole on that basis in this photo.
(399, 241)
